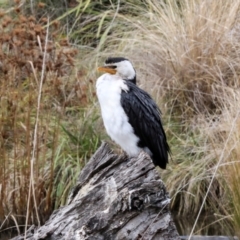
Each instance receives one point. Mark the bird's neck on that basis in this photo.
(133, 80)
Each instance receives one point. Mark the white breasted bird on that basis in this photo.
(131, 117)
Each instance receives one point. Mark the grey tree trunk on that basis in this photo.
(115, 198)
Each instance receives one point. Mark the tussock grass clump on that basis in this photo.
(209, 161)
(190, 49)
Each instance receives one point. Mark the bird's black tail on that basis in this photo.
(161, 159)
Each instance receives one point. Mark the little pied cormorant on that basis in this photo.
(131, 117)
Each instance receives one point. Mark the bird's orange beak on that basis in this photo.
(107, 70)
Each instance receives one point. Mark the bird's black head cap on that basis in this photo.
(111, 60)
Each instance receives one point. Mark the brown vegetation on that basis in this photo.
(36, 97)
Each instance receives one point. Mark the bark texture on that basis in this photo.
(116, 197)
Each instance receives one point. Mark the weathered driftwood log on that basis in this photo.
(115, 198)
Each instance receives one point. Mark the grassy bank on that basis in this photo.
(186, 54)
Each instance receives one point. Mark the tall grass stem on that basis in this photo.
(31, 184)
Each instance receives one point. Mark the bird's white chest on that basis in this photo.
(115, 120)
(109, 89)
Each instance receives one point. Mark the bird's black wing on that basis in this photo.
(144, 116)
